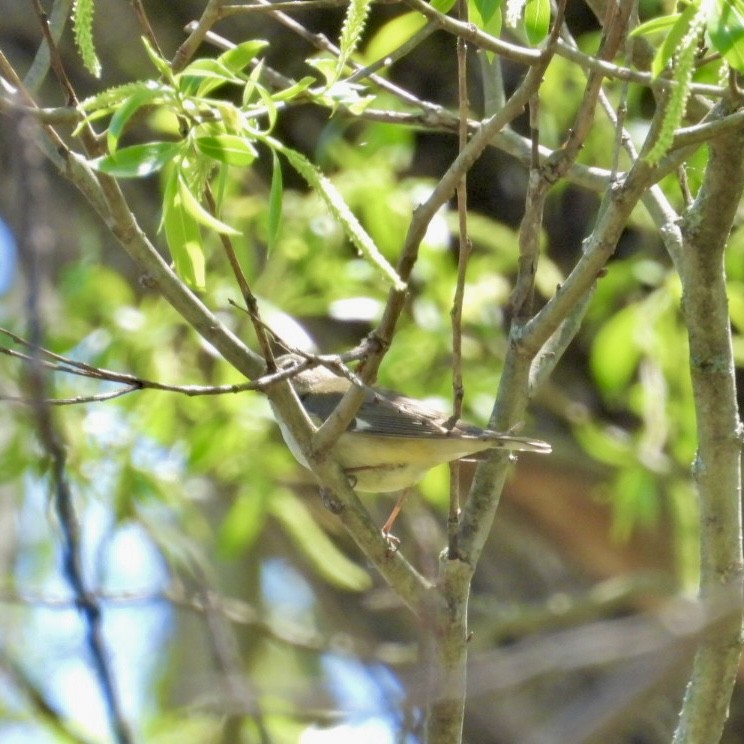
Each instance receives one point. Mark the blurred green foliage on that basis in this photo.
(208, 476)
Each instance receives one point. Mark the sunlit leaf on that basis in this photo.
(486, 15)
(199, 213)
(536, 20)
(227, 148)
(240, 56)
(392, 34)
(145, 95)
(655, 25)
(443, 6)
(183, 236)
(726, 31)
(160, 64)
(205, 75)
(340, 210)
(137, 161)
(672, 41)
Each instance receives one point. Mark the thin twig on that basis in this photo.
(186, 51)
(144, 23)
(251, 303)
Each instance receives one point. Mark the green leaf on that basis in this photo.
(147, 93)
(293, 90)
(137, 161)
(240, 56)
(160, 64)
(443, 6)
(328, 561)
(183, 236)
(340, 210)
(196, 210)
(275, 201)
(615, 353)
(672, 41)
(654, 25)
(227, 148)
(393, 34)
(82, 22)
(635, 502)
(536, 20)
(205, 75)
(486, 15)
(483, 11)
(726, 31)
(242, 524)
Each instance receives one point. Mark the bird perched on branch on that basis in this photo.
(392, 440)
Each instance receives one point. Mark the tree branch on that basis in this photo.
(717, 468)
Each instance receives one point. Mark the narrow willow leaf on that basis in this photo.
(227, 148)
(275, 201)
(393, 34)
(199, 213)
(205, 75)
(240, 56)
(125, 112)
(242, 524)
(137, 161)
(82, 21)
(294, 90)
(340, 210)
(160, 64)
(325, 557)
(726, 31)
(536, 20)
(673, 39)
(183, 236)
(654, 25)
(443, 6)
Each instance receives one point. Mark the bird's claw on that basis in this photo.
(393, 543)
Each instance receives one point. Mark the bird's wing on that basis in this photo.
(385, 414)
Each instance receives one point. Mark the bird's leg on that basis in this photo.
(392, 541)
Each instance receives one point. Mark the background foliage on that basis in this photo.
(234, 605)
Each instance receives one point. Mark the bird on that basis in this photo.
(393, 440)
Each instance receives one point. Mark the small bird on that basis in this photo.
(393, 440)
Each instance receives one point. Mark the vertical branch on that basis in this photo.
(35, 241)
(717, 467)
(448, 638)
(529, 229)
(462, 262)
